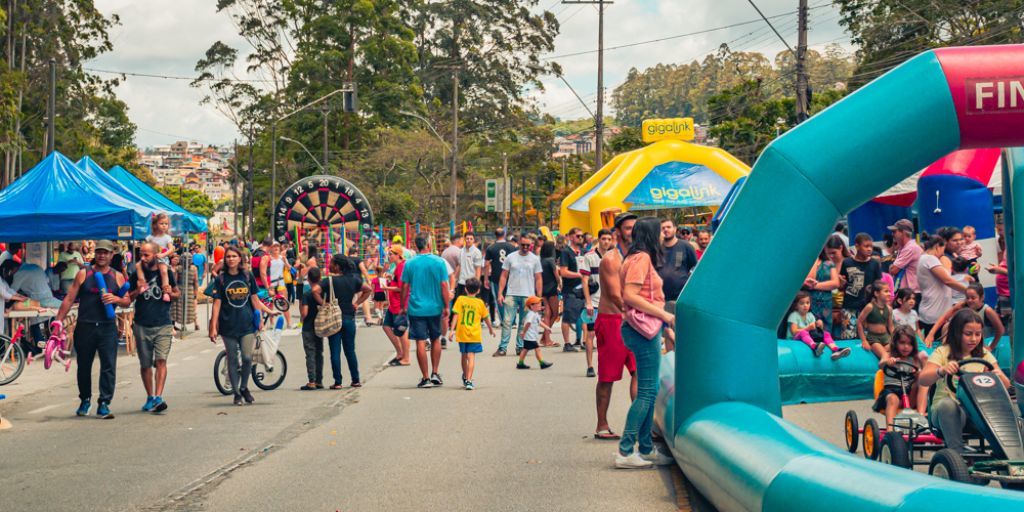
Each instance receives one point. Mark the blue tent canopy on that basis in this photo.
(55, 200)
(191, 222)
(94, 170)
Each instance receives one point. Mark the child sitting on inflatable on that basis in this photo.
(975, 301)
(804, 327)
(875, 323)
(963, 341)
(890, 399)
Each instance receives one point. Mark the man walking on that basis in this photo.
(493, 260)
(569, 265)
(592, 300)
(471, 263)
(674, 269)
(612, 354)
(153, 326)
(96, 331)
(521, 272)
(426, 294)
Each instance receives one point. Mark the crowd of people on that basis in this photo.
(609, 295)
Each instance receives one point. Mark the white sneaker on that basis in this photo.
(658, 458)
(631, 461)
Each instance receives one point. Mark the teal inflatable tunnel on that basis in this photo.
(722, 413)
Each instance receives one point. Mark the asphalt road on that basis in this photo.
(521, 441)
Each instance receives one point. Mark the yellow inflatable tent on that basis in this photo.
(666, 174)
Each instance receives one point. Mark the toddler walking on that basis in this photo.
(531, 334)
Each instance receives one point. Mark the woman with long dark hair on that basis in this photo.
(346, 286)
(936, 283)
(822, 279)
(234, 309)
(550, 283)
(645, 319)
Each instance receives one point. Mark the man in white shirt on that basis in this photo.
(520, 278)
(471, 263)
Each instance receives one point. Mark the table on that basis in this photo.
(125, 320)
(25, 318)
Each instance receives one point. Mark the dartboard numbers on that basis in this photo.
(321, 206)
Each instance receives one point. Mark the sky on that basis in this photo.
(167, 37)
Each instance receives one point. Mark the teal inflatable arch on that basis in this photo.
(722, 417)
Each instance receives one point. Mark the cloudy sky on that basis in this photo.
(167, 37)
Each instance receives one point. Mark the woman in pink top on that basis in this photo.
(642, 292)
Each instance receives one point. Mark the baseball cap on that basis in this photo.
(904, 225)
(530, 301)
(623, 217)
(105, 245)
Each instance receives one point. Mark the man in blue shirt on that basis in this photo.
(425, 285)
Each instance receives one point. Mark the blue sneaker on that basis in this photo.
(159, 405)
(150, 402)
(103, 411)
(83, 409)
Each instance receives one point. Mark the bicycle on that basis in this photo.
(266, 376)
(12, 357)
(57, 348)
(279, 301)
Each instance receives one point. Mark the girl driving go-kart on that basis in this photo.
(964, 340)
(900, 371)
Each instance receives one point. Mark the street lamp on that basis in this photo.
(317, 162)
(430, 127)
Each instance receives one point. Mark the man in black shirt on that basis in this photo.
(494, 257)
(856, 274)
(674, 269)
(569, 263)
(153, 327)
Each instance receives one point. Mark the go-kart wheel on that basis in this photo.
(871, 439)
(950, 465)
(894, 450)
(851, 426)
(1012, 486)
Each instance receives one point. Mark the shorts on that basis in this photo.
(390, 319)
(380, 297)
(471, 348)
(571, 308)
(884, 395)
(424, 328)
(612, 354)
(153, 343)
(883, 339)
(530, 345)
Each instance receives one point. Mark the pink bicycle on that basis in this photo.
(57, 348)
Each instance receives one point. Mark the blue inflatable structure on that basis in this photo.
(721, 411)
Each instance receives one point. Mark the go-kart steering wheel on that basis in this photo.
(895, 371)
(971, 360)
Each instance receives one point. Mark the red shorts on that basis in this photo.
(612, 354)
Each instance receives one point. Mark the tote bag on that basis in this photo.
(647, 325)
(328, 319)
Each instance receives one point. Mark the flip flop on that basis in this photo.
(607, 435)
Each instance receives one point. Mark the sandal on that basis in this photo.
(606, 435)
(308, 387)
(394, 362)
(356, 384)
(336, 386)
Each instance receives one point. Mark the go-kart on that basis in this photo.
(910, 431)
(993, 435)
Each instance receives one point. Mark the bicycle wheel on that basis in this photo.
(220, 374)
(266, 377)
(13, 361)
(281, 304)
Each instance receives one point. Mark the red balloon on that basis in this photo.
(218, 254)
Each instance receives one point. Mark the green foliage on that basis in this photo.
(191, 200)
(888, 32)
(628, 139)
(392, 205)
(684, 90)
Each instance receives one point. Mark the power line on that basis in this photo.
(174, 77)
(678, 36)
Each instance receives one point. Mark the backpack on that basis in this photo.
(328, 319)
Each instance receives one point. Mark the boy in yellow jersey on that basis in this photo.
(469, 311)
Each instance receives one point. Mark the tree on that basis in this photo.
(888, 32)
(628, 139)
(191, 200)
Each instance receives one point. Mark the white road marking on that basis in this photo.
(43, 409)
(172, 365)
(124, 382)
(206, 351)
(188, 358)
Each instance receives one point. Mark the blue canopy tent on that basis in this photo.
(191, 222)
(55, 200)
(90, 167)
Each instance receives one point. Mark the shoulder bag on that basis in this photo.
(644, 323)
(328, 319)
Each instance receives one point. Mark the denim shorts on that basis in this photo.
(423, 328)
(471, 348)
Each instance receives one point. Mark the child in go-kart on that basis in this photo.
(975, 301)
(804, 327)
(963, 341)
(890, 399)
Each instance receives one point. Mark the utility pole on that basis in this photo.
(326, 111)
(564, 160)
(802, 85)
(51, 110)
(599, 117)
(252, 190)
(234, 189)
(505, 187)
(455, 140)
